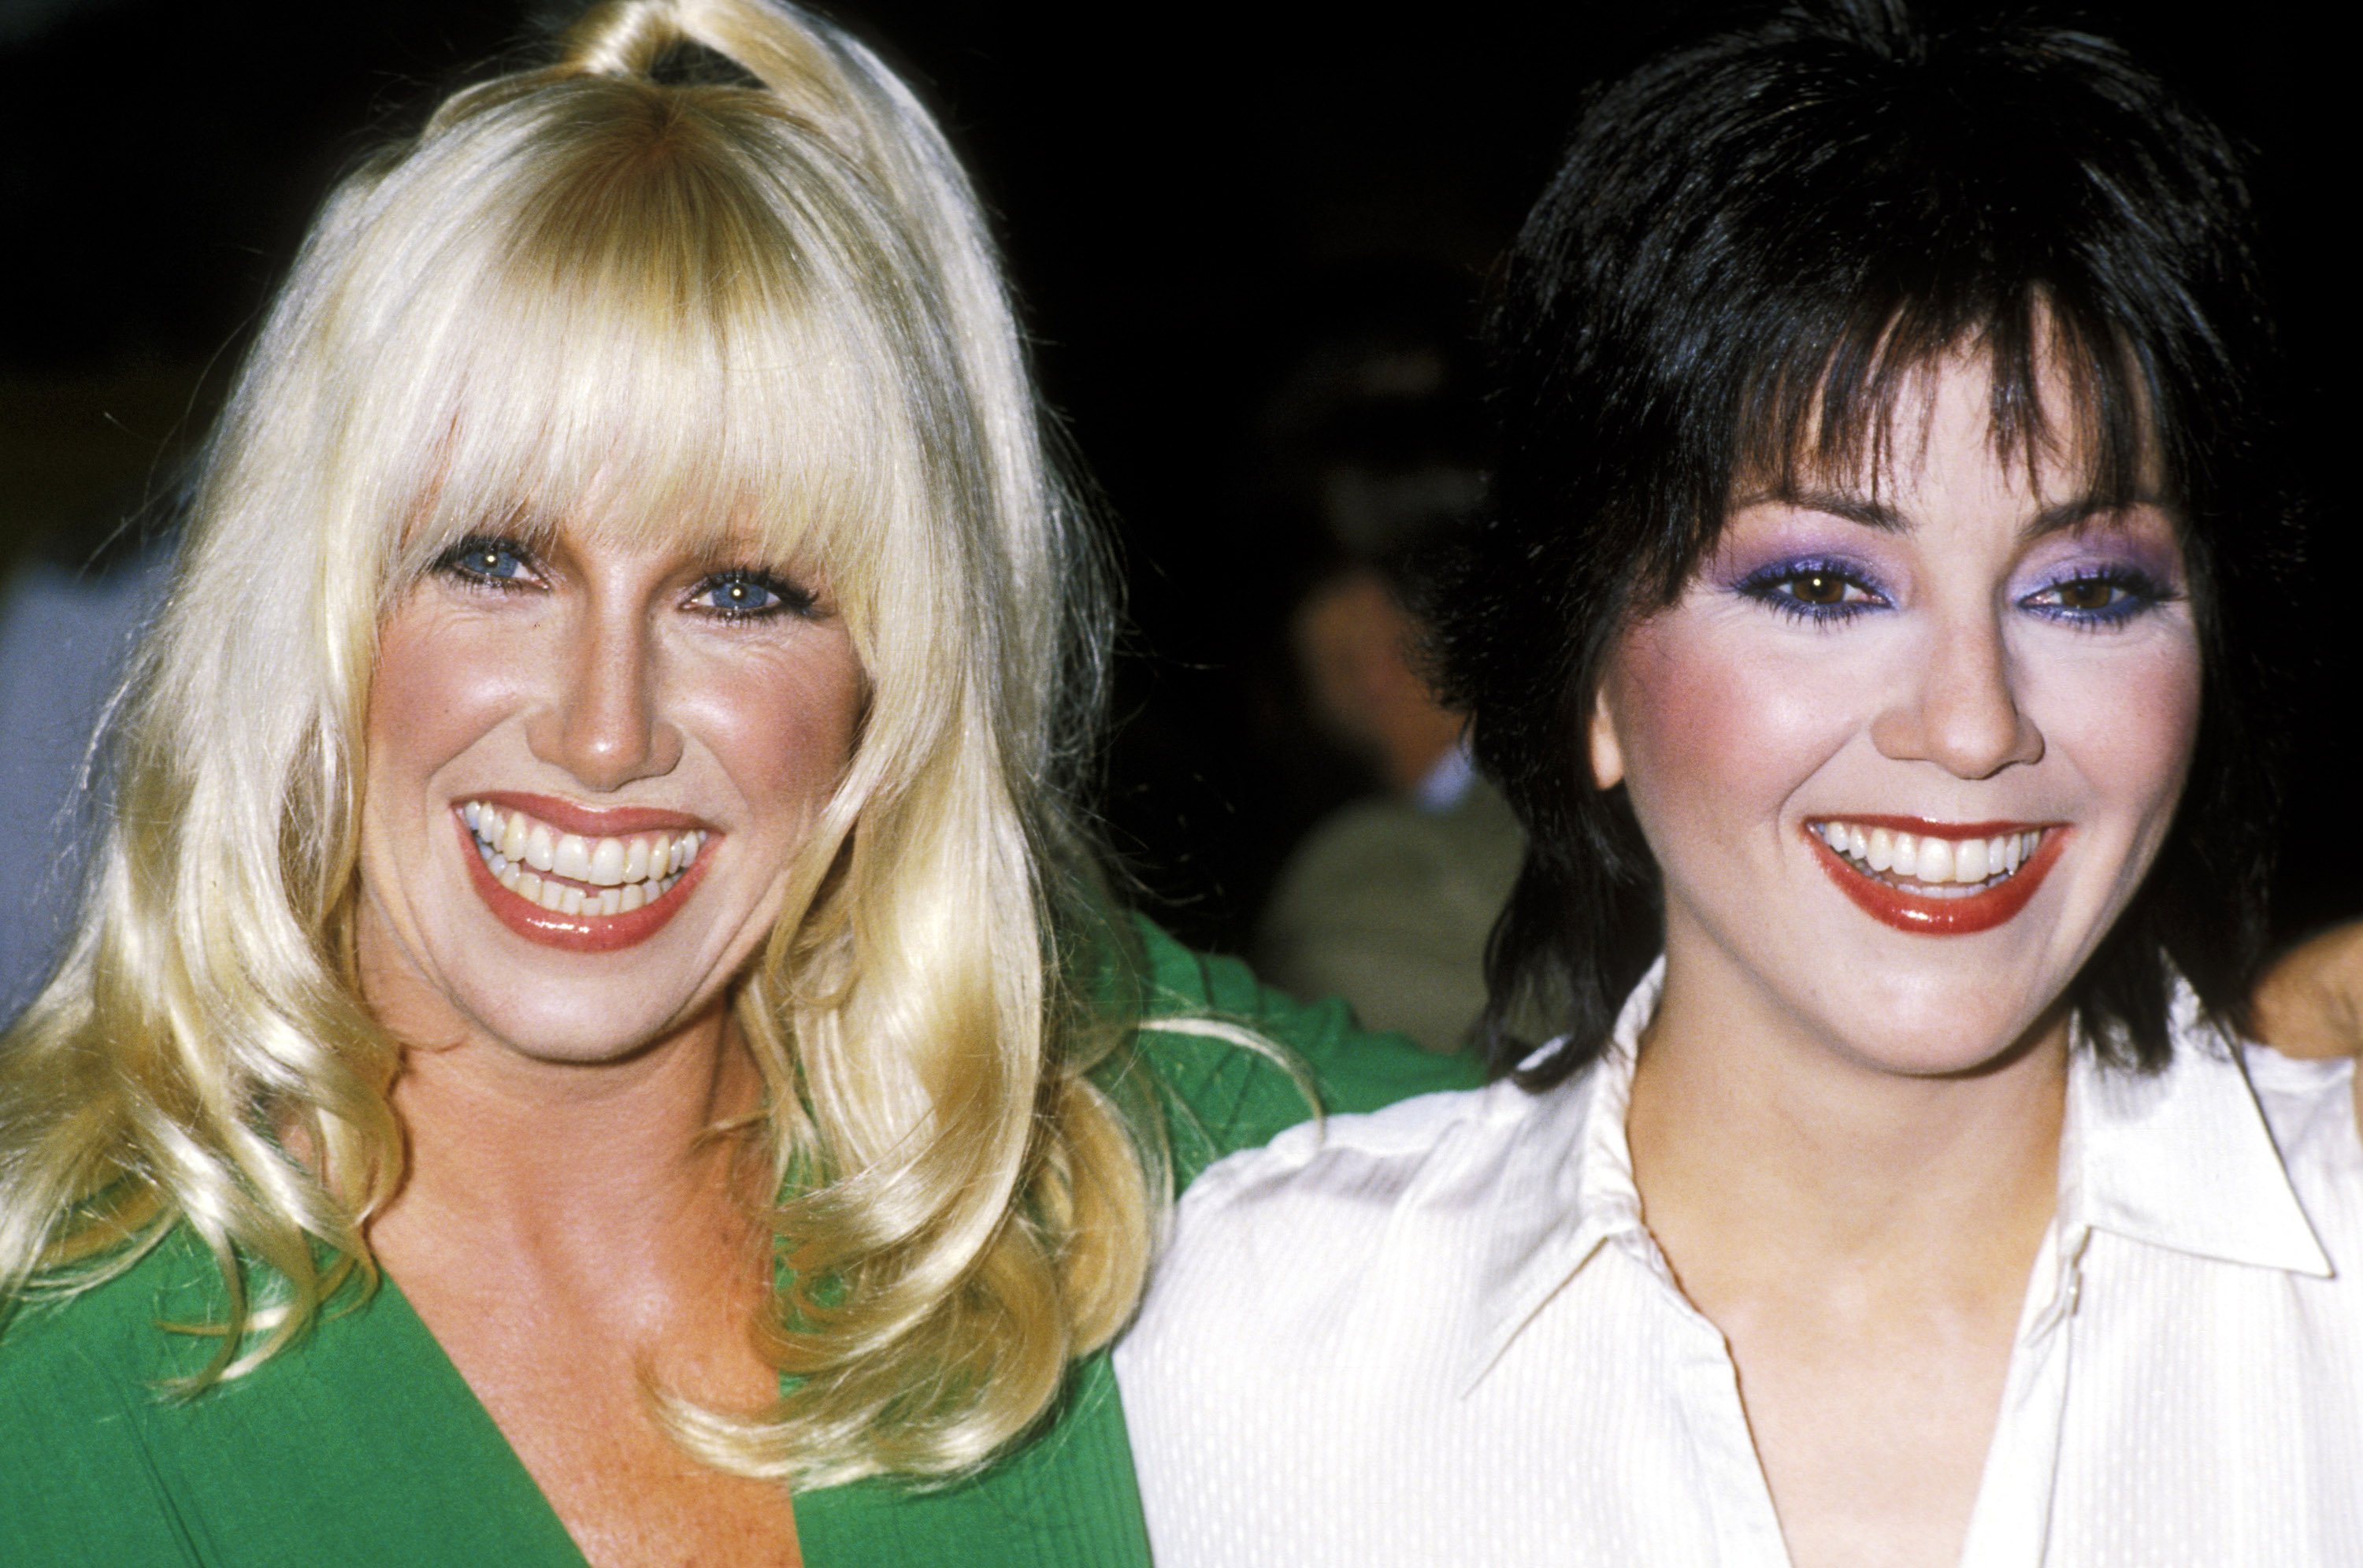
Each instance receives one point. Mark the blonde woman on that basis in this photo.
(595, 1027)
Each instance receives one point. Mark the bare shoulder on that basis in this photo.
(2310, 1003)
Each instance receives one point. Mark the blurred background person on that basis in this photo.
(1375, 449)
(80, 569)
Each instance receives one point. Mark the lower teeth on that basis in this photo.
(1930, 889)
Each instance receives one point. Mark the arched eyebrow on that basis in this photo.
(1872, 513)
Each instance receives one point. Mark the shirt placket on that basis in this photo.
(1733, 1494)
(2011, 1522)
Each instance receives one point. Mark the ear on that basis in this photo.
(1607, 757)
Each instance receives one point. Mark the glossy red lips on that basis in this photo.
(1958, 916)
(578, 933)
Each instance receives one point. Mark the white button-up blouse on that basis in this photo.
(1440, 1334)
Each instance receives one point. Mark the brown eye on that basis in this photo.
(2087, 594)
(1818, 587)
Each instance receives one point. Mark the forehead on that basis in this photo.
(1943, 438)
(2047, 436)
(646, 431)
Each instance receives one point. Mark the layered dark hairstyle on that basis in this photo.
(1757, 243)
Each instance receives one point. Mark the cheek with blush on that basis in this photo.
(1712, 736)
(441, 681)
(2126, 720)
(783, 724)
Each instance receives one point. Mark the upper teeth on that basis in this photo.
(537, 861)
(1928, 858)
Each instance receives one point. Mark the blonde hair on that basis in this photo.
(755, 297)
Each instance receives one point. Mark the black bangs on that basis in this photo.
(1781, 229)
(2061, 383)
(1758, 246)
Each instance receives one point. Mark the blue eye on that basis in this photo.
(484, 560)
(749, 594)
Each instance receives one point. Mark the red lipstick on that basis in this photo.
(1925, 916)
(578, 933)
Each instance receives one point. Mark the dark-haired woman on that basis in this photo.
(1867, 631)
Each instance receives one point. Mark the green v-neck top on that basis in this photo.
(363, 1444)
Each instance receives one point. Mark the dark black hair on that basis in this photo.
(1754, 242)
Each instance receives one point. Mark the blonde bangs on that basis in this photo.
(644, 337)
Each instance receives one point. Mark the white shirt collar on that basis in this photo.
(2180, 1159)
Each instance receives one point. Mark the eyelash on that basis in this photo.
(2140, 593)
(787, 597)
(1768, 585)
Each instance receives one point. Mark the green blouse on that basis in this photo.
(363, 1444)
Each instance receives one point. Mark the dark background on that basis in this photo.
(1179, 190)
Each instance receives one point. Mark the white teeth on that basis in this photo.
(632, 872)
(1945, 868)
(572, 859)
(1969, 861)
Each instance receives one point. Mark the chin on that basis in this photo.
(1942, 1034)
(578, 1028)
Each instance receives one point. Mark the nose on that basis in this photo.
(603, 722)
(1959, 708)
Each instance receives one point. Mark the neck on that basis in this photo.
(572, 1176)
(545, 1141)
(1766, 1156)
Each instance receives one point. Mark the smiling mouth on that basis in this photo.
(583, 891)
(567, 873)
(1936, 878)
